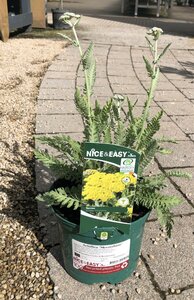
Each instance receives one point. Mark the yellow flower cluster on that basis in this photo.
(103, 186)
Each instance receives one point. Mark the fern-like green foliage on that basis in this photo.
(112, 123)
(59, 167)
(69, 148)
(61, 198)
(89, 67)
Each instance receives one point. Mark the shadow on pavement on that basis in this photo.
(174, 27)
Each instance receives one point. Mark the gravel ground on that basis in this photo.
(24, 270)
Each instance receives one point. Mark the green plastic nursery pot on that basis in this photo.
(91, 260)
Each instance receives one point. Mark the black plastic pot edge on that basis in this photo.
(56, 14)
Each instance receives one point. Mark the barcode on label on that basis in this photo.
(118, 260)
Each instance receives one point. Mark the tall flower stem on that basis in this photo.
(85, 71)
(150, 92)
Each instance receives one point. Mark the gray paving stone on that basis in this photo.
(138, 66)
(102, 100)
(73, 63)
(125, 89)
(161, 86)
(103, 91)
(191, 136)
(119, 62)
(58, 83)
(119, 72)
(61, 66)
(119, 48)
(59, 75)
(101, 60)
(100, 52)
(176, 74)
(189, 93)
(56, 94)
(144, 76)
(116, 54)
(186, 83)
(137, 56)
(100, 82)
(172, 265)
(182, 156)
(177, 108)
(185, 122)
(70, 289)
(119, 80)
(44, 178)
(140, 99)
(100, 71)
(141, 71)
(64, 56)
(47, 107)
(171, 130)
(153, 111)
(171, 65)
(169, 96)
(116, 67)
(58, 124)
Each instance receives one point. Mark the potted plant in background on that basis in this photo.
(56, 14)
(120, 202)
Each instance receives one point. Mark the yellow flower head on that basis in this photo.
(103, 186)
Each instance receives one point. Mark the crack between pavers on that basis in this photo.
(155, 284)
(185, 288)
(180, 167)
(163, 294)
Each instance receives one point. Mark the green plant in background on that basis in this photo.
(112, 124)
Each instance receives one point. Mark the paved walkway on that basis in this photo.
(166, 268)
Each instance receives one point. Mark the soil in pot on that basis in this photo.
(74, 215)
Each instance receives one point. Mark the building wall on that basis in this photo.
(94, 6)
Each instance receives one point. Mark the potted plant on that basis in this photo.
(105, 242)
(56, 14)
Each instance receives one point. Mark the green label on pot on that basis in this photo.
(109, 182)
(123, 158)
